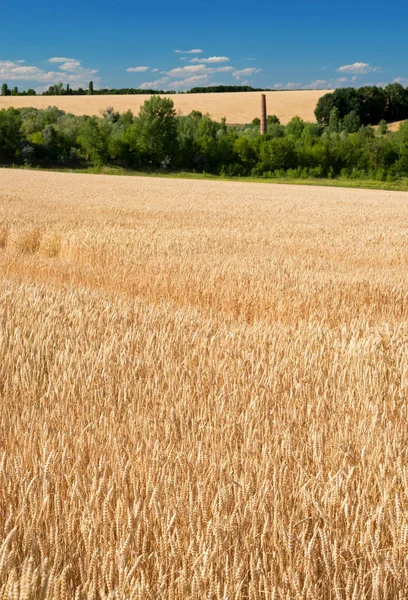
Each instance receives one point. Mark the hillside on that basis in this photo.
(240, 107)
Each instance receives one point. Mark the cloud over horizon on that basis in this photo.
(211, 59)
(358, 68)
(137, 69)
(70, 71)
(240, 73)
(193, 51)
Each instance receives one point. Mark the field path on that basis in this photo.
(240, 107)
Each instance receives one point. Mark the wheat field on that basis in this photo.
(203, 390)
(236, 107)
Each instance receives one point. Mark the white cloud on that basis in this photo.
(321, 84)
(180, 71)
(71, 65)
(290, 85)
(137, 69)
(402, 80)
(240, 73)
(60, 59)
(154, 70)
(358, 68)
(190, 81)
(211, 59)
(316, 84)
(152, 85)
(193, 51)
(71, 71)
(198, 69)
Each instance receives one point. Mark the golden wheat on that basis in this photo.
(203, 390)
(237, 107)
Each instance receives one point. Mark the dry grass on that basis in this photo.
(203, 391)
(239, 107)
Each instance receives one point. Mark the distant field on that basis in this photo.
(240, 107)
(203, 390)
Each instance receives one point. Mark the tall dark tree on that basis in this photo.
(323, 109)
(10, 134)
(372, 104)
(396, 102)
(156, 127)
(91, 88)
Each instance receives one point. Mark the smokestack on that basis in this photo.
(263, 114)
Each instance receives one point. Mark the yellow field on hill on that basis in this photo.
(240, 107)
(203, 390)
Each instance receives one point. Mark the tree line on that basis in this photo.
(159, 139)
(59, 89)
(370, 104)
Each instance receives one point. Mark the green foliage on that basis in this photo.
(272, 120)
(383, 127)
(275, 130)
(402, 163)
(277, 154)
(370, 103)
(156, 129)
(158, 139)
(295, 127)
(10, 134)
(334, 120)
(93, 141)
(351, 122)
(220, 89)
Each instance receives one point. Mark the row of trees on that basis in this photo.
(158, 138)
(370, 103)
(59, 89)
(221, 89)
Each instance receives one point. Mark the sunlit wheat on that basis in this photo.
(203, 390)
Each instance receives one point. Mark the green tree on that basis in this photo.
(91, 88)
(312, 132)
(156, 129)
(372, 104)
(4, 90)
(272, 120)
(323, 109)
(383, 127)
(93, 141)
(247, 152)
(295, 127)
(402, 164)
(10, 134)
(351, 122)
(396, 102)
(277, 154)
(334, 120)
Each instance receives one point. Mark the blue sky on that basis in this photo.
(282, 44)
